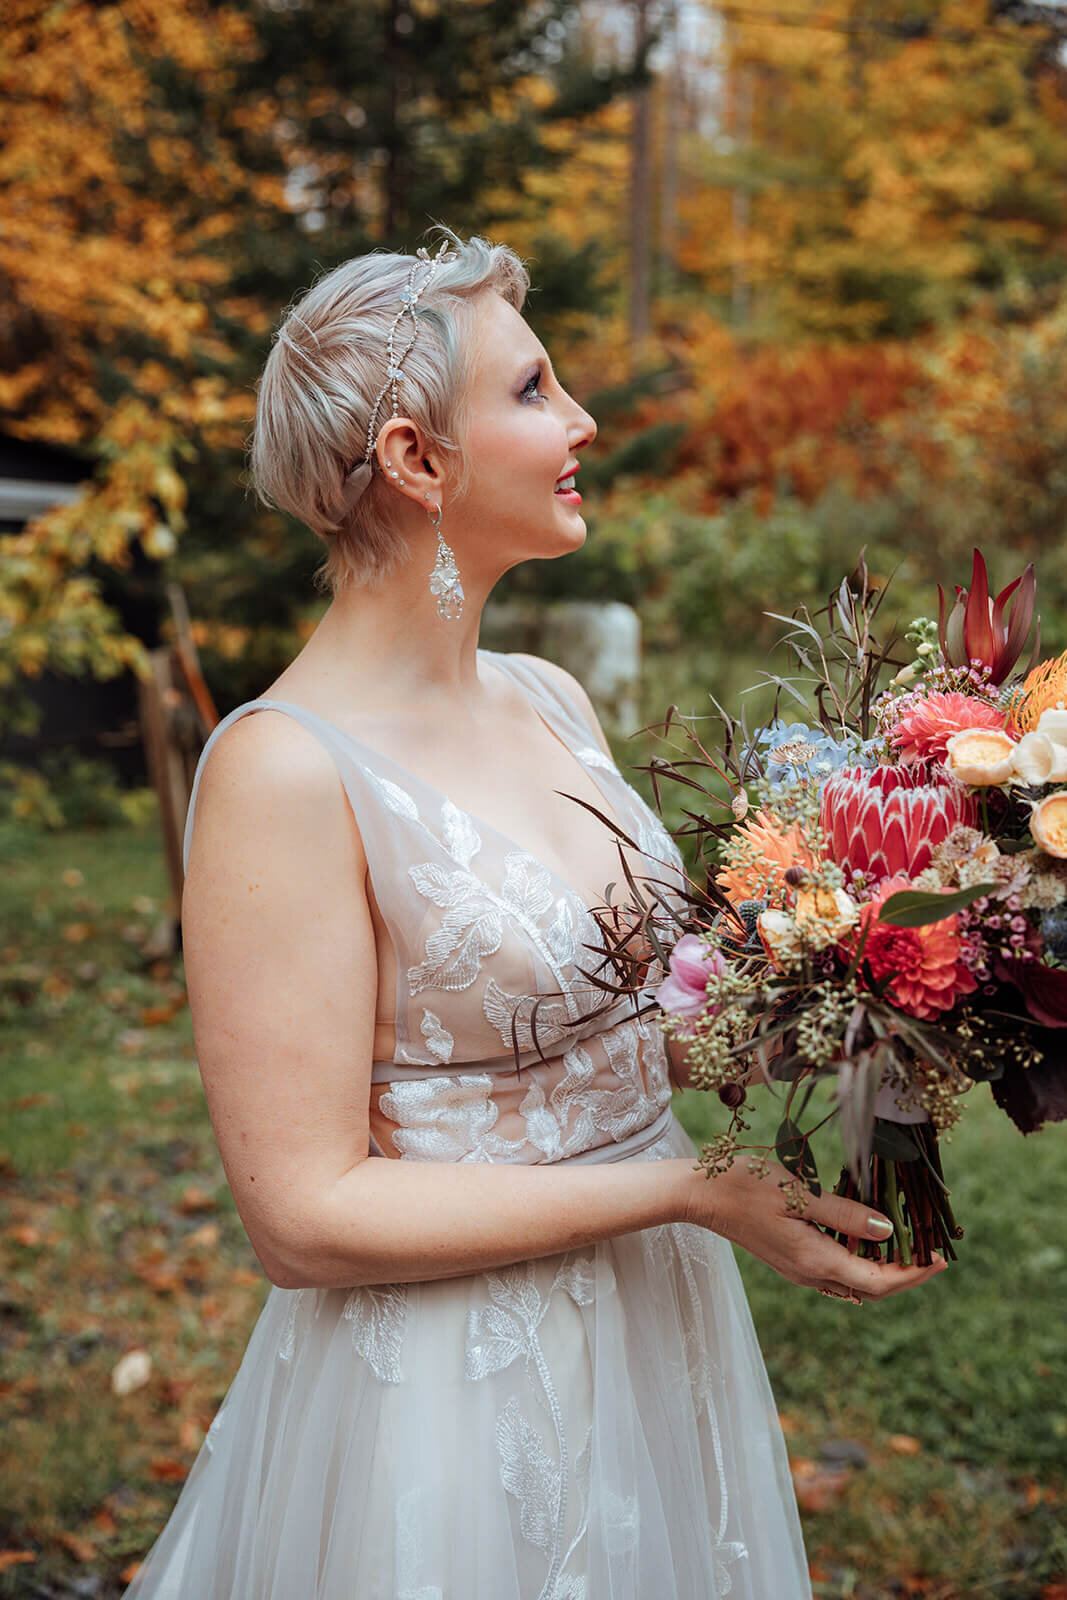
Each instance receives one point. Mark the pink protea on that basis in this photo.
(888, 822)
(926, 965)
(930, 720)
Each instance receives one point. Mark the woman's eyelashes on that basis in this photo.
(533, 384)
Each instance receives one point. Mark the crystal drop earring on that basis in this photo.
(444, 578)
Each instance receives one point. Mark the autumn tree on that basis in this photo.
(901, 164)
(171, 173)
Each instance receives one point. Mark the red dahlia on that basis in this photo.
(925, 965)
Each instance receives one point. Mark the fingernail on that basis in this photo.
(880, 1224)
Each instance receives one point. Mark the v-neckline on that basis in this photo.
(480, 822)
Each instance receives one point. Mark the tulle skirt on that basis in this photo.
(596, 1425)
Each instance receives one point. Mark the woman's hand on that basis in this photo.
(752, 1212)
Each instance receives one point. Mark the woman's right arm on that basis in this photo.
(282, 978)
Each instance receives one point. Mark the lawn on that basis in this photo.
(928, 1434)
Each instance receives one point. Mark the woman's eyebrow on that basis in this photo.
(532, 366)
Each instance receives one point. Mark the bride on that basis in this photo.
(506, 1353)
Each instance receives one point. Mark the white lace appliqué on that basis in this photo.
(447, 1119)
(377, 1314)
(505, 1331)
(685, 1248)
(288, 1340)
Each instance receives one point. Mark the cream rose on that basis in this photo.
(1048, 824)
(823, 916)
(983, 757)
(780, 938)
(1035, 757)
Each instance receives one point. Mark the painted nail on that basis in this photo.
(880, 1224)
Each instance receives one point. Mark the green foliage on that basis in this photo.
(69, 790)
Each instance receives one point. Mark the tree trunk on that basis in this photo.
(640, 200)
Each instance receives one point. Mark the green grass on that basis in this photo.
(118, 1232)
(970, 1367)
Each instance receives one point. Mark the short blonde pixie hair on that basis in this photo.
(327, 364)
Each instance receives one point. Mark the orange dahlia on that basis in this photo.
(759, 853)
(927, 967)
(931, 720)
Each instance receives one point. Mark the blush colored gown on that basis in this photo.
(595, 1425)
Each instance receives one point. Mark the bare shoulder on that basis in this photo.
(268, 776)
(569, 685)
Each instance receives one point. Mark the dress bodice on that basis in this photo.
(505, 1051)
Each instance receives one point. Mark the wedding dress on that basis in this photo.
(594, 1425)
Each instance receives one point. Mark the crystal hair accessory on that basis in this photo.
(358, 479)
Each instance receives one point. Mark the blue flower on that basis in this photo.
(809, 753)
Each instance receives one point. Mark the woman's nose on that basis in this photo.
(588, 430)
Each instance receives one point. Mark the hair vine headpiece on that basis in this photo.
(358, 479)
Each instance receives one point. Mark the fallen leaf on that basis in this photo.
(104, 1521)
(173, 1390)
(130, 1572)
(196, 1199)
(818, 1488)
(905, 1444)
(246, 1277)
(15, 1558)
(190, 1434)
(166, 1470)
(72, 877)
(25, 1101)
(132, 1371)
(77, 932)
(162, 1278)
(23, 1233)
(205, 1237)
(152, 1016)
(1054, 1591)
(81, 1549)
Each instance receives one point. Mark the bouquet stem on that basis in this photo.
(913, 1195)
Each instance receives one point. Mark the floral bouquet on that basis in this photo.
(885, 902)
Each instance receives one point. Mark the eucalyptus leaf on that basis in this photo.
(857, 1086)
(915, 908)
(891, 1142)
